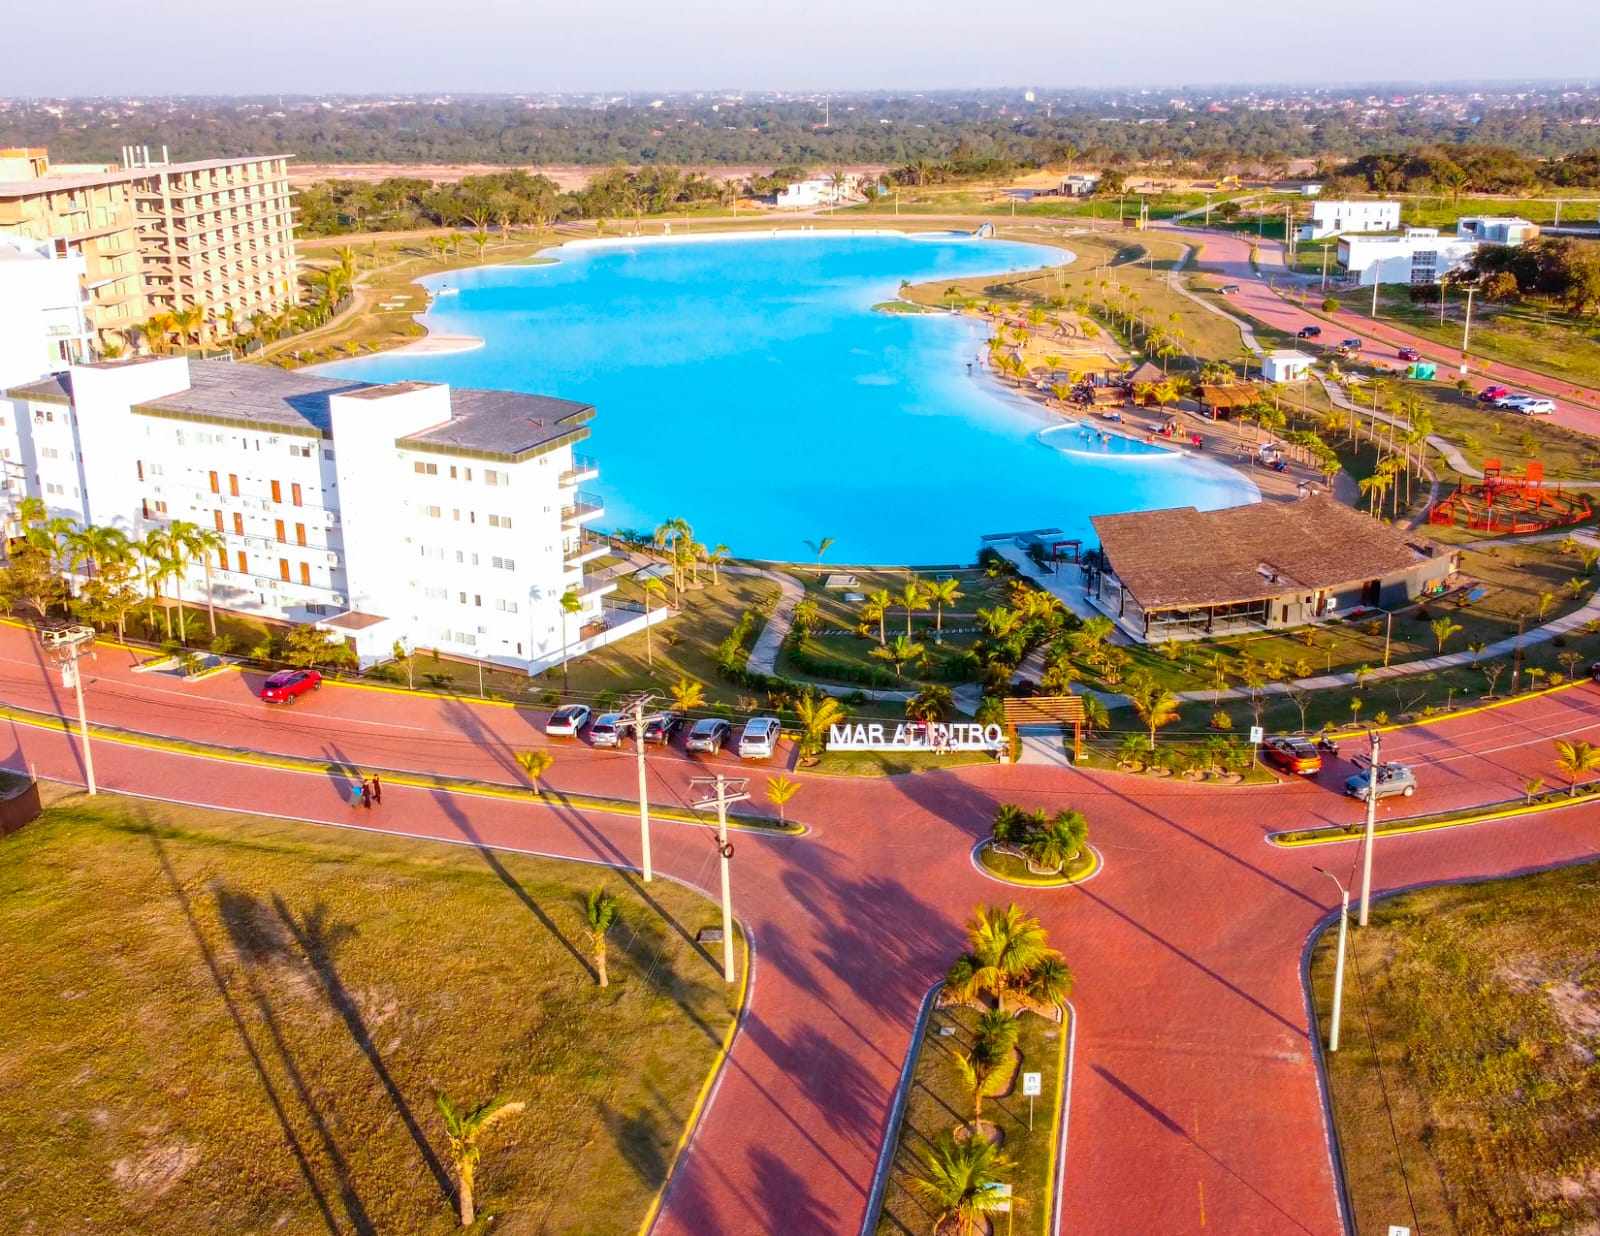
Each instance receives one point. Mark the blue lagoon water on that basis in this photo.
(748, 386)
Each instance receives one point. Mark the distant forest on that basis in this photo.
(1103, 130)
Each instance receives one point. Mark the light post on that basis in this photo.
(1372, 826)
(1338, 965)
(637, 705)
(727, 790)
(1466, 327)
(1388, 635)
(1325, 245)
(65, 647)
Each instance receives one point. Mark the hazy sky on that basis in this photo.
(178, 46)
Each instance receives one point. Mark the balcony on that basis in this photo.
(600, 581)
(583, 469)
(584, 507)
(585, 547)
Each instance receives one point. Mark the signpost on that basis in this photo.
(1256, 735)
(1032, 1087)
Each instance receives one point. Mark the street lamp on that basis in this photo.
(1338, 966)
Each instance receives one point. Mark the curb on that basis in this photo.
(1471, 711)
(306, 766)
(1042, 881)
(897, 1111)
(1399, 827)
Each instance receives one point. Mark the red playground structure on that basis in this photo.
(1505, 502)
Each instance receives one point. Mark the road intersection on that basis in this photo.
(1195, 1102)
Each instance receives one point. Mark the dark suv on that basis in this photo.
(708, 734)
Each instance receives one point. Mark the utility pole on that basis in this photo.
(1466, 328)
(1377, 281)
(637, 705)
(1324, 266)
(65, 648)
(1372, 826)
(727, 790)
(1338, 966)
(1516, 654)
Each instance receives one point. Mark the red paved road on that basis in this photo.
(1228, 253)
(1195, 1104)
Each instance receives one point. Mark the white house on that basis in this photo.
(1080, 184)
(442, 519)
(1496, 229)
(1334, 218)
(1286, 366)
(1417, 255)
(819, 191)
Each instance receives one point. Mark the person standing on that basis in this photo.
(366, 794)
(358, 793)
(376, 791)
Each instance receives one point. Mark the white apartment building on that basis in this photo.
(1334, 218)
(1417, 255)
(449, 520)
(1509, 230)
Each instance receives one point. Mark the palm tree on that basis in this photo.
(899, 653)
(912, 598)
(670, 535)
(687, 695)
(718, 555)
(535, 764)
(1003, 945)
(1443, 629)
(1058, 842)
(400, 653)
(819, 547)
(940, 593)
(185, 542)
(188, 322)
(570, 604)
(1574, 758)
(464, 1129)
(959, 1180)
(1155, 705)
(933, 703)
(653, 587)
(876, 610)
(780, 790)
(817, 714)
(600, 914)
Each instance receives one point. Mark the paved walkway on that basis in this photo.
(1208, 1121)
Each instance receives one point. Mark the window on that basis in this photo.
(50, 452)
(217, 515)
(426, 469)
(244, 563)
(506, 607)
(222, 559)
(503, 564)
(305, 573)
(299, 534)
(499, 521)
(233, 485)
(277, 525)
(238, 524)
(492, 476)
(277, 492)
(138, 467)
(216, 488)
(432, 512)
(436, 594)
(294, 493)
(161, 507)
(283, 569)
(461, 598)
(300, 452)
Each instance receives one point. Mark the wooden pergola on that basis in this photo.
(1062, 710)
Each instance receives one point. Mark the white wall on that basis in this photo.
(1331, 218)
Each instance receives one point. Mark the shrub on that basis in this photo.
(1220, 720)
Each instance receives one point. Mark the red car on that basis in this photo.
(1409, 354)
(1490, 393)
(286, 686)
(1292, 755)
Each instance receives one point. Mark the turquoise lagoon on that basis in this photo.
(747, 385)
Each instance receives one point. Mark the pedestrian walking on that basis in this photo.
(358, 793)
(376, 790)
(366, 794)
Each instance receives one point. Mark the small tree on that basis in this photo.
(465, 1129)
(1574, 758)
(600, 915)
(687, 694)
(535, 764)
(780, 790)
(958, 1181)
(400, 654)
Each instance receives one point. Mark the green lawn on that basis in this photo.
(939, 1101)
(218, 1022)
(1464, 1089)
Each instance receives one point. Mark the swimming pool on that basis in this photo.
(747, 385)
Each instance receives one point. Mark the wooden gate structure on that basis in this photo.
(1062, 710)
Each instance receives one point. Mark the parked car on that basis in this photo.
(1408, 354)
(1310, 332)
(1393, 779)
(1490, 393)
(568, 721)
(1229, 289)
(661, 727)
(1594, 671)
(286, 686)
(708, 734)
(1351, 344)
(760, 738)
(1509, 400)
(609, 729)
(1533, 406)
(1293, 755)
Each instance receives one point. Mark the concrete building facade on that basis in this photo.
(451, 520)
(160, 237)
(1334, 218)
(1419, 255)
